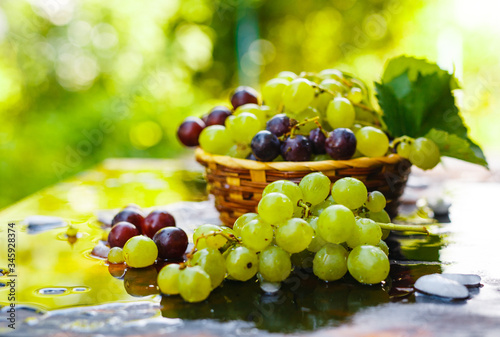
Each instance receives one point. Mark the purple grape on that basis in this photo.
(171, 242)
(218, 115)
(244, 95)
(265, 146)
(190, 130)
(341, 144)
(317, 138)
(279, 125)
(298, 148)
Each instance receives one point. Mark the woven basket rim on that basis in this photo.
(236, 163)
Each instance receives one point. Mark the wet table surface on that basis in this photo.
(61, 290)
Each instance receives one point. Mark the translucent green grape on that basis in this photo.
(333, 85)
(315, 187)
(366, 232)
(349, 192)
(368, 264)
(376, 201)
(317, 242)
(240, 151)
(242, 220)
(115, 255)
(288, 188)
(213, 241)
(298, 95)
(336, 224)
(330, 262)
(294, 235)
(216, 140)
(306, 114)
(243, 127)
(272, 92)
(331, 74)
(168, 279)
(316, 210)
(242, 263)
(275, 208)
(194, 284)
(372, 142)
(381, 217)
(340, 113)
(383, 246)
(254, 109)
(213, 264)
(424, 153)
(287, 75)
(355, 95)
(140, 251)
(256, 235)
(404, 149)
(274, 264)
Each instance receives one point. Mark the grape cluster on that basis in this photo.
(307, 117)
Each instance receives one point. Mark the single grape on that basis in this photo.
(298, 95)
(331, 74)
(120, 233)
(172, 242)
(333, 85)
(157, 220)
(272, 92)
(239, 151)
(330, 262)
(274, 264)
(243, 127)
(216, 139)
(316, 210)
(115, 255)
(256, 235)
(298, 148)
(424, 153)
(287, 75)
(317, 242)
(381, 217)
(212, 262)
(275, 208)
(242, 264)
(242, 221)
(244, 95)
(168, 279)
(341, 144)
(349, 192)
(404, 149)
(130, 214)
(259, 111)
(189, 131)
(336, 224)
(321, 102)
(303, 260)
(355, 95)
(194, 284)
(340, 113)
(204, 236)
(366, 232)
(265, 146)
(287, 187)
(306, 116)
(294, 235)
(368, 264)
(372, 142)
(317, 138)
(315, 187)
(383, 246)
(218, 115)
(321, 157)
(376, 201)
(140, 251)
(279, 125)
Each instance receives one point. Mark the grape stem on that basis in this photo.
(229, 237)
(402, 139)
(304, 122)
(306, 208)
(359, 105)
(403, 228)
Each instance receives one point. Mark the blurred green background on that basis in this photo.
(84, 80)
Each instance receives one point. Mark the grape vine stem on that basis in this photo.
(403, 228)
(229, 237)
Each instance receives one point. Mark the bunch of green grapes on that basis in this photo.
(421, 152)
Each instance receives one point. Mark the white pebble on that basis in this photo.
(468, 280)
(437, 285)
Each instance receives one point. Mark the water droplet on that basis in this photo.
(52, 291)
(80, 289)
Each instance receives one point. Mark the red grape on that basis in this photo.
(120, 233)
(155, 221)
(317, 138)
(265, 146)
(218, 115)
(341, 144)
(244, 95)
(279, 125)
(130, 214)
(298, 148)
(171, 242)
(189, 131)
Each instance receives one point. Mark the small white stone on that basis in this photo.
(468, 280)
(270, 287)
(437, 285)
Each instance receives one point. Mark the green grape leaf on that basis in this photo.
(451, 145)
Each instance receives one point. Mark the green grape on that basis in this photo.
(278, 159)
(349, 192)
(372, 142)
(242, 264)
(272, 92)
(287, 75)
(213, 241)
(336, 224)
(332, 74)
(356, 127)
(317, 242)
(303, 259)
(333, 85)
(355, 95)
(240, 151)
(243, 127)
(140, 251)
(315, 187)
(213, 264)
(298, 95)
(168, 279)
(194, 284)
(383, 246)
(366, 232)
(316, 210)
(321, 157)
(321, 102)
(340, 113)
(274, 264)
(330, 262)
(254, 109)
(287, 187)
(115, 255)
(306, 114)
(215, 139)
(275, 208)
(381, 217)
(376, 201)
(368, 264)
(424, 153)
(242, 221)
(404, 149)
(256, 235)
(294, 235)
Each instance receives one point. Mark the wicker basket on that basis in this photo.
(237, 184)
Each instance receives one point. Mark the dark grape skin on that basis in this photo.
(130, 214)
(265, 146)
(120, 233)
(341, 144)
(251, 157)
(218, 116)
(155, 221)
(244, 95)
(279, 125)
(298, 148)
(189, 131)
(171, 242)
(318, 138)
